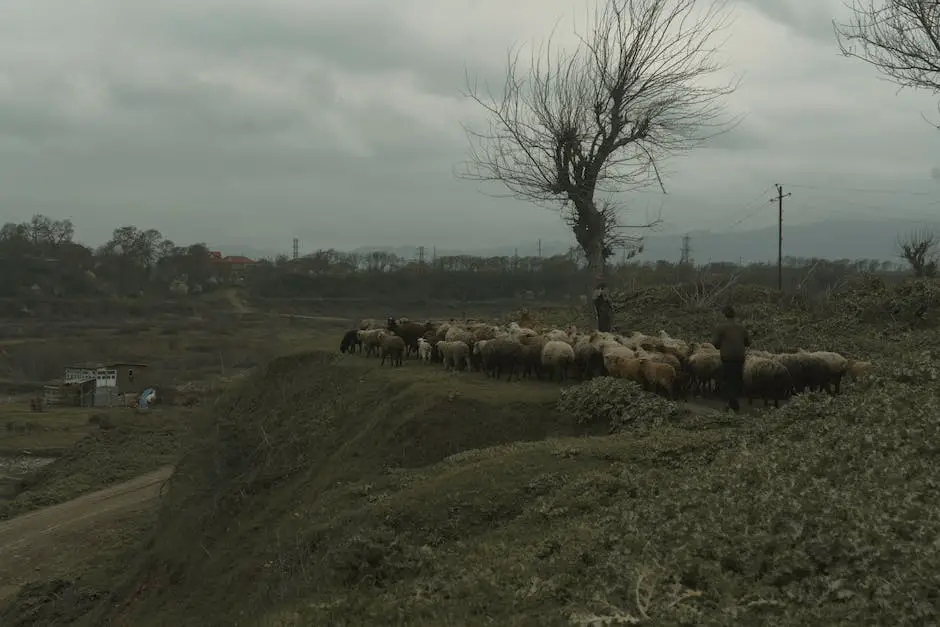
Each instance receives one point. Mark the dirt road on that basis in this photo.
(42, 542)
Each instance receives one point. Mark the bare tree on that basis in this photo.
(901, 38)
(919, 249)
(601, 118)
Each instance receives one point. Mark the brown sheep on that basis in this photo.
(660, 376)
(393, 347)
(628, 368)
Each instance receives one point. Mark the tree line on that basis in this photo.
(41, 257)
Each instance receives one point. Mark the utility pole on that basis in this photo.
(686, 250)
(540, 248)
(779, 199)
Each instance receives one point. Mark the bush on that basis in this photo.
(617, 402)
(917, 369)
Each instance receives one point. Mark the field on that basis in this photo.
(322, 489)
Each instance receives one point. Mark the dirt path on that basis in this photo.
(43, 541)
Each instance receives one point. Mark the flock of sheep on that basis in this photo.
(659, 363)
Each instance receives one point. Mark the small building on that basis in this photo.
(62, 393)
(109, 381)
(230, 267)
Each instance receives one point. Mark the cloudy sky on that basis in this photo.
(338, 122)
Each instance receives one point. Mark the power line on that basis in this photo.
(759, 199)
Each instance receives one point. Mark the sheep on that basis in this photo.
(459, 334)
(856, 369)
(530, 360)
(831, 368)
(476, 355)
(819, 370)
(704, 367)
(557, 357)
(516, 331)
(371, 339)
(350, 342)
(589, 361)
(456, 355)
(629, 368)
(367, 324)
(659, 376)
(662, 358)
(392, 347)
(635, 340)
(557, 335)
(484, 332)
(502, 354)
(408, 331)
(659, 362)
(424, 350)
(767, 379)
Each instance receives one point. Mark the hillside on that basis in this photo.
(326, 490)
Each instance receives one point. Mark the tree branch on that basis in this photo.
(901, 38)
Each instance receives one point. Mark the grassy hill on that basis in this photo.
(326, 491)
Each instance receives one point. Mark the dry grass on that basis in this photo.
(73, 571)
(49, 433)
(121, 446)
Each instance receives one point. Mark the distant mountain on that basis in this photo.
(831, 239)
(836, 239)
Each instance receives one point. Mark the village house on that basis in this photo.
(99, 385)
(231, 267)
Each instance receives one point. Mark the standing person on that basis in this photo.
(732, 340)
(603, 308)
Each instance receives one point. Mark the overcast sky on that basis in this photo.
(338, 122)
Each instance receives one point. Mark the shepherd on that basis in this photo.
(731, 338)
(603, 308)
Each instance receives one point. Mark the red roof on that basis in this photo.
(216, 255)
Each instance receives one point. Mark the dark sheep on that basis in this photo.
(351, 342)
(409, 332)
(502, 355)
(393, 348)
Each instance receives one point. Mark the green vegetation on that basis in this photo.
(323, 489)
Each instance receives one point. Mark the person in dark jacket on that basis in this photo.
(732, 340)
(603, 308)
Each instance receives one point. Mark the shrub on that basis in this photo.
(616, 402)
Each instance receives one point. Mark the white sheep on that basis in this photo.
(558, 335)
(557, 356)
(456, 355)
(424, 350)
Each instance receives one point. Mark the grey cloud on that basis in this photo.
(356, 41)
(809, 19)
(224, 121)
